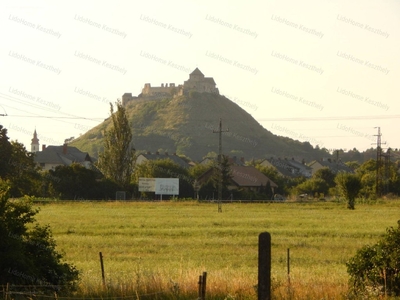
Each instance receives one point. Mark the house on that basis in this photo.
(53, 156)
(333, 165)
(245, 177)
(288, 167)
(301, 167)
(248, 177)
(156, 156)
(232, 160)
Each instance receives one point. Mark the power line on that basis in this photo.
(55, 117)
(40, 107)
(331, 118)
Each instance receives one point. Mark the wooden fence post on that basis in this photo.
(264, 266)
(202, 286)
(102, 269)
(288, 265)
(7, 290)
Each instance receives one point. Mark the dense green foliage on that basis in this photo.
(117, 159)
(28, 254)
(282, 182)
(318, 185)
(388, 173)
(86, 184)
(17, 167)
(349, 186)
(74, 182)
(216, 173)
(375, 269)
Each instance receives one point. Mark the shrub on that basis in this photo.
(376, 268)
(28, 253)
(349, 186)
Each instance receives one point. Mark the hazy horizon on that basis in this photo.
(317, 71)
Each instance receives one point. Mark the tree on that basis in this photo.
(376, 268)
(222, 174)
(28, 253)
(390, 178)
(354, 165)
(17, 165)
(86, 183)
(273, 174)
(349, 186)
(5, 150)
(24, 172)
(215, 174)
(117, 159)
(313, 186)
(199, 169)
(325, 174)
(367, 174)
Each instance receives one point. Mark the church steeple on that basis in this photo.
(35, 143)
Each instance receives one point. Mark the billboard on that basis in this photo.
(147, 184)
(167, 186)
(162, 186)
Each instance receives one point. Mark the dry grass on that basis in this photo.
(160, 249)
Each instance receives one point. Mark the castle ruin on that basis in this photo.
(196, 82)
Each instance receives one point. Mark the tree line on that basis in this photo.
(115, 170)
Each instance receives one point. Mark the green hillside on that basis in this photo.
(185, 124)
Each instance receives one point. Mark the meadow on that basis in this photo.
(157, 250)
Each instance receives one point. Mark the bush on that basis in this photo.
(376, 269)
(349, 186)
(28, 253)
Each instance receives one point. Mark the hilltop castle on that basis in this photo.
(196, 82)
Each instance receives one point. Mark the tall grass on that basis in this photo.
(159, 249)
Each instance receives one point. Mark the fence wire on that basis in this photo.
(7, 294)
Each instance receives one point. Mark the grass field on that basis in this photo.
(158, 250)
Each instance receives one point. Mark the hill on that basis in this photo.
(185, 124)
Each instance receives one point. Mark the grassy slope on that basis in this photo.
(147, 246)
(185, 125)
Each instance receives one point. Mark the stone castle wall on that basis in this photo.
(166, 89)
(196, 82)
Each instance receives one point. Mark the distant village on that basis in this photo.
(244, 174)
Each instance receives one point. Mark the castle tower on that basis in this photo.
(196, 75)
(35, 143)
(197, 82)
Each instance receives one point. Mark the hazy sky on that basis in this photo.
(321, 71)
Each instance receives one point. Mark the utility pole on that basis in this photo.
(387, 171)
(378, 183)
(337, 161)
(220, 163)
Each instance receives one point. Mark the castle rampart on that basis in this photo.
(196, 82)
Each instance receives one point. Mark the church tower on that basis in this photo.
(35, 143)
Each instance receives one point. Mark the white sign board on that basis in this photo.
(167, 186)
(147, 184)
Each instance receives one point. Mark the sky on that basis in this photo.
(324, 71)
